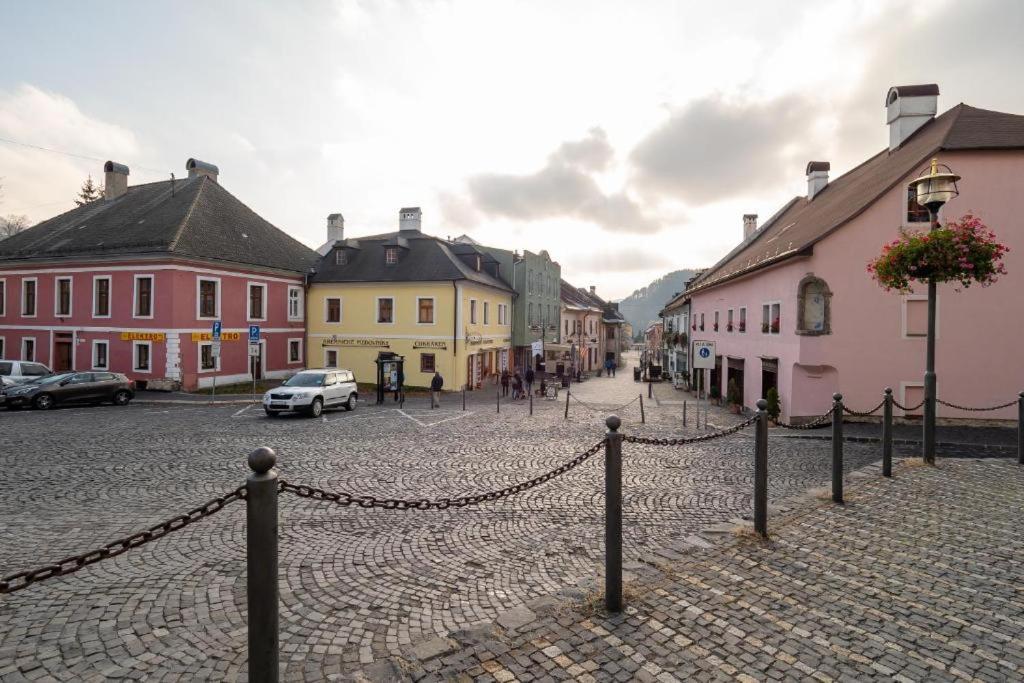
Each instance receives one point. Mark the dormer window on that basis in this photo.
(390, 255)
(340, 257)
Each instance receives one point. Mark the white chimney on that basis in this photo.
(907, 108)
(195, 167)
(115, 180)
(749, 225)
(409, 219)
(817, 177)
(593, 290)
(335, 228)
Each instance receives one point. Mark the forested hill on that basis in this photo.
(641, 307)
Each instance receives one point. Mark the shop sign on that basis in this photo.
(429, 344)
(474, 338)
(335, 340)
(208, 336)
(143, 336)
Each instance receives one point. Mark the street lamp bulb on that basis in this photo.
(936, 187)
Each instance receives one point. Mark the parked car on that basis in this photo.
(5, 383)
(311, 391)
(71, 387)
(23, 370)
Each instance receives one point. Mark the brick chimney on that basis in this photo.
(195, 167)
(907, 108)
(749, 225)
(115, 180)
(817, 177)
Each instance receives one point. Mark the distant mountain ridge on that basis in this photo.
(642, 306)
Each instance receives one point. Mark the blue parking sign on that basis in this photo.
(216, 330)
(254, 334)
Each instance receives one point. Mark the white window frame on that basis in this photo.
(903, 316)
(337, 358)
(135, 296)
(742, 317)
(216, 304)
(905, 205)
(730, 320)
(135, 357)
(56, 296)
(394, 310)
(263, 301)
(288, 351)
(390, 255)
(298, 317)
(199, 358)
(433, 310)
(472, 311)
(35, 349)
(341, 310)
(487, 313)
(110, 296)
(770, 304)
(94, 364)
(3, 346)
(21, 303)
(3, 297)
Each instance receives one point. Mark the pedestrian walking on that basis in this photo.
(517, 387)
(435, 390)
(614, 367)
(504, 382)
(399, 384)
(608, 367)
(530, 376)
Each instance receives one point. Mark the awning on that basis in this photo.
(557, 347)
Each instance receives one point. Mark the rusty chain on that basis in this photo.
(905, 408)
(69, 565)
(867, 413)
(976, 410)
(347, 499)
(813, 424)
(681, 441)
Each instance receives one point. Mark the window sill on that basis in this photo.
(813, 333)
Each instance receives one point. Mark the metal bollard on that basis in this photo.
(887, 434)
(761, 470)
(567, 402)
(837, 448)
(463, 398)
(497, 398)
(650, 388)
(261, 565)
(1020, 428)
(613, 515)
(643, 416)
(684, 412)
(531, 403)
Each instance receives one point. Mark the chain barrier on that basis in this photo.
(850, 411)
(813, 424)
(681, 441)
(347, 499)
(69, 565)
(905, 408)
(977, 410)
(597, 409)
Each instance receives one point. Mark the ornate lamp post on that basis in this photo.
(933, 189)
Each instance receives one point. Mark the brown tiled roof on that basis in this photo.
(801, 223)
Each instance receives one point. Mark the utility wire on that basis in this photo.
(72, 154)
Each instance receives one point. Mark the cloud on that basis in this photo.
(564, 187)
(712, 149)
(621, 259)
(457, 212)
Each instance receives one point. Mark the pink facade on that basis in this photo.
(174, 329)
(876, 338)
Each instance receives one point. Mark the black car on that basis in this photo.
(71, 387)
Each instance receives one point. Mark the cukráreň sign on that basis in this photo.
(358, 343)
(428, 344)
(224, 336)
(143, 336)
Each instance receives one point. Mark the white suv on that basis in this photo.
(312, 391)
(20, 371)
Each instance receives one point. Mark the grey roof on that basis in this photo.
(199, 219)
(422, 258)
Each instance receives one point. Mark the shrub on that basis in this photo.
(714, 393)
(733, 395)
(774, 408)
(964, 251)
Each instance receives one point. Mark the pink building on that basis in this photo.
(793, 307)
(133, 283)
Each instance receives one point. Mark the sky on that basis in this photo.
(625, 138)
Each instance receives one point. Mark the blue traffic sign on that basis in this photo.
(216, 330)
(254, 334)
(705, 352)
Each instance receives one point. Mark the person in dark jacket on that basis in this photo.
(504, 382)
(435, 390)
(529, 380)
(399, 385)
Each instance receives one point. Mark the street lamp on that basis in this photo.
(933, 189)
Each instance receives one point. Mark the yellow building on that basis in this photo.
(442, 306)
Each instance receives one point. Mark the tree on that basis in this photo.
(11, 225)
(90, 192)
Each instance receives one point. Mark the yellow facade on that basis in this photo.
(456, 343)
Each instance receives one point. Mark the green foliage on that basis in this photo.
(774, 408)
(90, 192)
(733, 395)
(714, 393)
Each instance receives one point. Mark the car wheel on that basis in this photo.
(350, 404)
(316, 408)
(122, 398)
(43, 402)
(269, 412)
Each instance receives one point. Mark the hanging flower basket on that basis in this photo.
(964, 251)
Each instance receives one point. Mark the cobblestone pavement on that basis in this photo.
(916, 578)
(359, 588)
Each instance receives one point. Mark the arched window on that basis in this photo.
(814, 307)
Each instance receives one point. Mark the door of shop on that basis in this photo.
(62, 348)
(769, 375)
